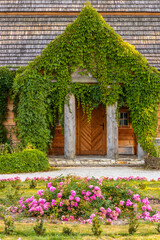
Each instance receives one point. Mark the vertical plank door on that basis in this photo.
(91, 136)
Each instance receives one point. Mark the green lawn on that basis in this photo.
(81, 232)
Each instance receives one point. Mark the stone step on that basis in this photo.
(94, 162)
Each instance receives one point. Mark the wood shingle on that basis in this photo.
(24, 37)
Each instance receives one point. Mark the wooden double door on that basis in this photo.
(91, 136)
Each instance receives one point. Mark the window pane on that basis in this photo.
(121, 115)
(120, 122)
(125, 122)
(125, 115)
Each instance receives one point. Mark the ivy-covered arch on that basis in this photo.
(120, 70)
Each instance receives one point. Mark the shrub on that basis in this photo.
(96, 226)
(67, 231)
(39, 229)
(29, 160)
(9, 225)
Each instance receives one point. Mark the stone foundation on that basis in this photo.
(93, 162)
(152, 162)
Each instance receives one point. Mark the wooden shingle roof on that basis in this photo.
(27, 26)
(76, 5)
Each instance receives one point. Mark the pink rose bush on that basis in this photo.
(73, 197)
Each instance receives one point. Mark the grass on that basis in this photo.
(146, 231)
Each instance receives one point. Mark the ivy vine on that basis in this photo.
(91, 44)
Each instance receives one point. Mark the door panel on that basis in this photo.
(91, 136)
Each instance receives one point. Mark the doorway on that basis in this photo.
(91, 136)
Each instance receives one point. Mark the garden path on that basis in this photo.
(92, 171)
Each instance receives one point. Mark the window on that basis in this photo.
(123, 119)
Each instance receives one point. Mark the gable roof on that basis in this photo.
(74, 39)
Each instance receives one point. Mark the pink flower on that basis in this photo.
(118, 210)
(135, 205)
(59, 195)
(93, 197)
(53, 203)
(83, 192)
(75, 204)
(88, 193)
(61, 204)
(61, 183)
(145, 201)
(136, 198)
(52, 189)
(96, 188)
(128, 203)
(144, 208)
(108, 211)
(149, 208)
(42, 201)
(92, 216)
(77, 199)
(121, 203)
(90, 186)
(71, 198)
(49, 185)
(73, 193)
(102, 209)
(40, 193)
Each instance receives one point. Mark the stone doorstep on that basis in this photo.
(94, 162)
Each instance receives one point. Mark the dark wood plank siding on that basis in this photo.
(10, 123)
(57, 146)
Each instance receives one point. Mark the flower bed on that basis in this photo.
(72, 197)
(87, 200)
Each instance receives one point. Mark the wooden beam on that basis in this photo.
(112, 132)
(82, 79)
(70, 129)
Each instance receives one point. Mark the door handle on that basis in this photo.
(102, 125)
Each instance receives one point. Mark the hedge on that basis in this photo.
(29, 160)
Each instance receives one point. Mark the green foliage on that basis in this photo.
(9, 148)
(9, 225)
(158, 228)
(92, 46)
(33, 184)
(96, 226)
(67, 231)
(39, 229)
(133, 226)
(29, 160)
(6, 82)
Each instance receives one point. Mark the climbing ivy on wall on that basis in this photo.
(6, 81)
(88, 43)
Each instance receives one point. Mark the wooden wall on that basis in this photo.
(126, 135)
(57, 146)
(10, 124)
